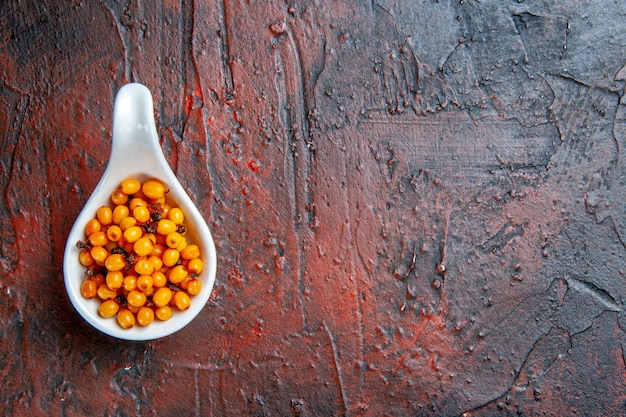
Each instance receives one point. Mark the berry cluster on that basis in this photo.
(139, 262)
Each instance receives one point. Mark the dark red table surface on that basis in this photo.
(418, 206)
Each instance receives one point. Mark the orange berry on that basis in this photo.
(144, 283)
(162, 297)
(99, 254)
(98, 238)
(177, 274)
(163, 313)
(173, 239)
(88, 289)
(119, 212)
(108, 308)
(115, 262)
(145, 316)
(190, 252)
(114, 233)
(130, 282)
(114, 280)
(194, 286)
(118, 197)
(127, 222)
(182, 300)
(85, 258)
(126, 319)
(105, 215)
(176, 215)
(153, 189)
(195, 266)
(144, 267)
(105, 293)
(165, 226)
(136, 298)
(158, 279)
(92, 226)
(130, 186)
(143, 246)
(133, 233)
(136, 202)
(170, 257)
(141, 213)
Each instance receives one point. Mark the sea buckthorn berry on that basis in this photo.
(156, 262)
(98, 238)
(114, 233)
(194, 286)
(153, 189)
(130, 282)
(105, 215)
(195, 266)
(183, 285)
(143, 246)
(88, 289)
(119, 212)
(99, 254)
(141, 213)
(136, 298)
(126, 319)
(190, 252)
(128, 247)
(144, 267)
(114, 280)
(137, 202)
(177, 274)
(144, 283)
(105, 293)
(92, 226)
(165, 227)
(145, 316)
(130, 186)
(158, 250)
(182, 300)
(133, 309)
(110, 246)
(132, 234)
(165, 210)
(163, 313)
(118, 197)
(127, 222)
(108, 308)
(85, 258)
(173, 239)
(182, 245)
(176, 215)
(157, 200)
(158, 279)
(152, 237)
(115, 262)
(170, 257)
(162, 297)
(98, 279)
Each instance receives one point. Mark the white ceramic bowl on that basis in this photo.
(136, 152)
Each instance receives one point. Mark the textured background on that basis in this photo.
(418, 206)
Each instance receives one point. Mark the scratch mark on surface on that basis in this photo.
(118, 27)
(502, 237)
(599, 294)
(8, 249)
(292, 110)
(227, 75)
(337, 364)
